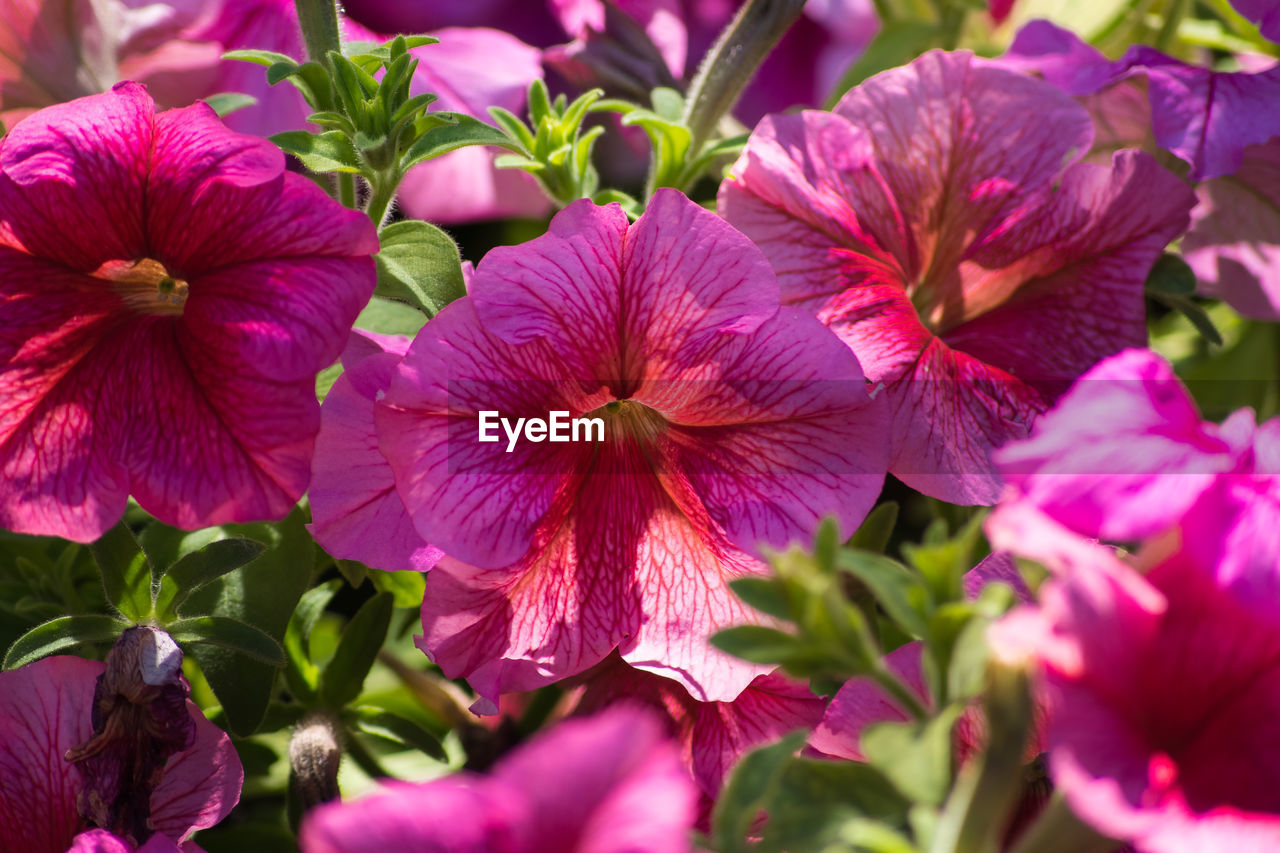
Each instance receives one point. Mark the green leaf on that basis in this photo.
(63, 635)
(353, 572)
(876, 530)
(330, 151)
(390, 317)
(899, 590)
(326, 378)
(258, 57)
(262, 593)
(756, 643)
(1171, 276)
(343, 678)
(230, 634)
(126, 573)
(667, 103)
(463, 132)
(225, 103)
(943, 561)
(768, 595)
(395, 728)
(916, 757)
(406, 587)
(420, 264)
(750, 790)
(201, 567)
(515, 128)
(816, 801)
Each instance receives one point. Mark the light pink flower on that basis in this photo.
(1125, 457)
(167, 294)
(611, 783)
(1162, 693)
(937, 222)
(46, 709)
(728, 423)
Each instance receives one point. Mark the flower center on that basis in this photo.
(145, 286)
(630, 419)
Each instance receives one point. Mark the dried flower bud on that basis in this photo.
(140, 718)
(314, 755)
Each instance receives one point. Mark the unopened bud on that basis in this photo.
(314, 756)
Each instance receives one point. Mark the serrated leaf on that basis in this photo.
(262, 593)
(126, 572)
(202, 567)
(63, 635)
(330, 151)
(420, 264)
(230, 634)
(465, 131)
(226, 103)
(750, 790)
(343, 678)
(395, 728)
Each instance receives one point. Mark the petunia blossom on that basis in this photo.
(1126, 457)
(712, 736)
(1161, 693)
(725, 423)
(167, 294)
(937, 221)
(1264, 13)
(46, 710)
(610, 783)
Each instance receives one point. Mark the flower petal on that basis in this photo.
(201, 784)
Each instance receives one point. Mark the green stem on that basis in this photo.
(1058, 830)
(347, 189)
(732, 61)
(383, 193)
(1169, 28)
(319, 22)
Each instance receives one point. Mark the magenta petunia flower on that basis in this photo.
(721, 422)
(1206, 117)
(611, 783)
(1125, 457)
(712, 735)
(937, 222)
(1162, 693)
(167, 294)
(47, 718)
(1264, 13)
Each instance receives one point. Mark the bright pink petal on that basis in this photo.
(860, 703)
(353, 490)
(604, 784)
(1123, 455)
(773, 444)
(201, 784)
(1234, 242)
(45, 709)
(946, 282)
(457, 815)
(1264, 13)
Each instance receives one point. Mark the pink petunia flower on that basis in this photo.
(1161, 690)
(167, 294)
(724, 423)
(147, 762)
(1125, 457)
(712, 735)
(937, 222)
(611, 783)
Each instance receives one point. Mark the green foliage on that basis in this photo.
(553, 147)
(419, 264)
